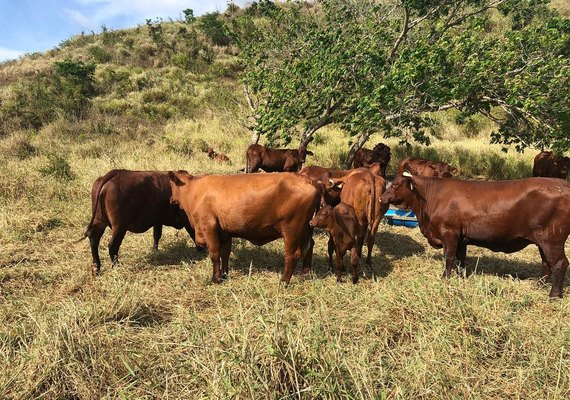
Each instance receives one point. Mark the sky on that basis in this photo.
(28, 26)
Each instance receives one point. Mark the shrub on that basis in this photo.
(215, 29)
(57, 167)
(99, 54)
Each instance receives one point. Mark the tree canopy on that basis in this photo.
(371, 65)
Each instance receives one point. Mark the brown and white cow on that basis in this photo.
(343, 227)
(502, 216)
(548, 165)
(275, 160)
(379, 154)
(258, 207)
(421, 167)
(133, 201)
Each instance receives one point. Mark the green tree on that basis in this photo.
(382, 66)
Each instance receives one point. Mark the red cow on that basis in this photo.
(342, 225)
(421, 167)
(502, 216)
(259, 208)
(379, 154)
(221, 157)
(549, 165)
(275, 160)
(131, 201)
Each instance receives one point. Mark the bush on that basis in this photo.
(99, 54)
(57, 167)
(215, 29)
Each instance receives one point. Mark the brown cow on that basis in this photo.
(429, 168)
(342, 225)
(221, 157)
(275, 160)
(502, 216)
(131, 201)
(379, 154)
(548, 165)
(259, 208)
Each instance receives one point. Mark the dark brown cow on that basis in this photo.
(133, 201)
(429, 168)
(342, 225)
(548, 165)
(275, 160)
(221, 157)
(379, 154)
(502, 216)
(259, 208)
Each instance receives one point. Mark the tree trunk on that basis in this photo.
(362, 138)
(255, 137)
(306, 137)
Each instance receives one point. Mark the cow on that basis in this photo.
(259, 208)
(343, 227)
(548, 165)
(502, 216)
(221, 157)
(275, 160)
(131, 201)
(421, 167)
(379, 154)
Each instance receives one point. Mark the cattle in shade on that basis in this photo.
(379, 154)
(502, 216)
(258, 207)
(343, 227)
(548, 165)
(429, 168)
(132, 201)
(275, 160)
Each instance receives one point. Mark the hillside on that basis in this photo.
(154, 98)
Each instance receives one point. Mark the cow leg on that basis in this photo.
(116, 239)
(558, 263)
(369, 245)
(293, 253)
(308, 258)
(450, 251)
(225, 250)
(213, 244)
(157, 234)
(330, 250)
(94, 234)
(354, 264)
(545, 275)
(339, 264)
(460, 258)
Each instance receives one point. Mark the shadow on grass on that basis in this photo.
(174, 253)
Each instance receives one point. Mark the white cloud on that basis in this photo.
(9, 54)
(136, 11)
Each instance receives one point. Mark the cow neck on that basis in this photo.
(422, 188)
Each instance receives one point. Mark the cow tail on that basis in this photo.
(371, 205)
(110, 175)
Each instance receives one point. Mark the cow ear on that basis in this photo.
(309, 153)
(174, 178)
(434, 167)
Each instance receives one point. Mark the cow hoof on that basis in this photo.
(355, 280)
(224, 276)
(284, 284)
(95, 271)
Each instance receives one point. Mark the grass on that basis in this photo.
(155, 327)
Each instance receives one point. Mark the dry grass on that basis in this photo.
(155, 327)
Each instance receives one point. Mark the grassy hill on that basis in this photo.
(155, 327)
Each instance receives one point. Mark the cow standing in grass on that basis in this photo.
(429, 168)
(502, 216)
(258, 207)
(548, 165)
(275, 160)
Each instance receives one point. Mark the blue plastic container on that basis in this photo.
(399, 217)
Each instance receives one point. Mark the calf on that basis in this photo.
(221, 157)
(343, 227)
(548, 165)
(379, 154)
(429, 168)
(275, 160)
(502, 216)
(131, 201)
(257, 207)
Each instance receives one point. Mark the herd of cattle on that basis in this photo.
(349, 204)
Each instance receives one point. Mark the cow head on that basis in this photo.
(401, 191)
(442, 170)
(322, 218)
(178, 179)
(563, 167)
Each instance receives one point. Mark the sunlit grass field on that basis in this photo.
(156, 327)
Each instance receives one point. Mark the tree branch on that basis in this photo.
(403, 34)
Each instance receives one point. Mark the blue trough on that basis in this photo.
(399, 217)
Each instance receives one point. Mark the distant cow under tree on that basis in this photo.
(379, 154)
(502, 216)
(133, 201)
(343, 227)
(548, 165)
(275, 160)
(258, 207)
(429, 168)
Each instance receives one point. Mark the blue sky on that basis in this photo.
(37, 25)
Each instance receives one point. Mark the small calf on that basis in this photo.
(342, 225)
(221, 157)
